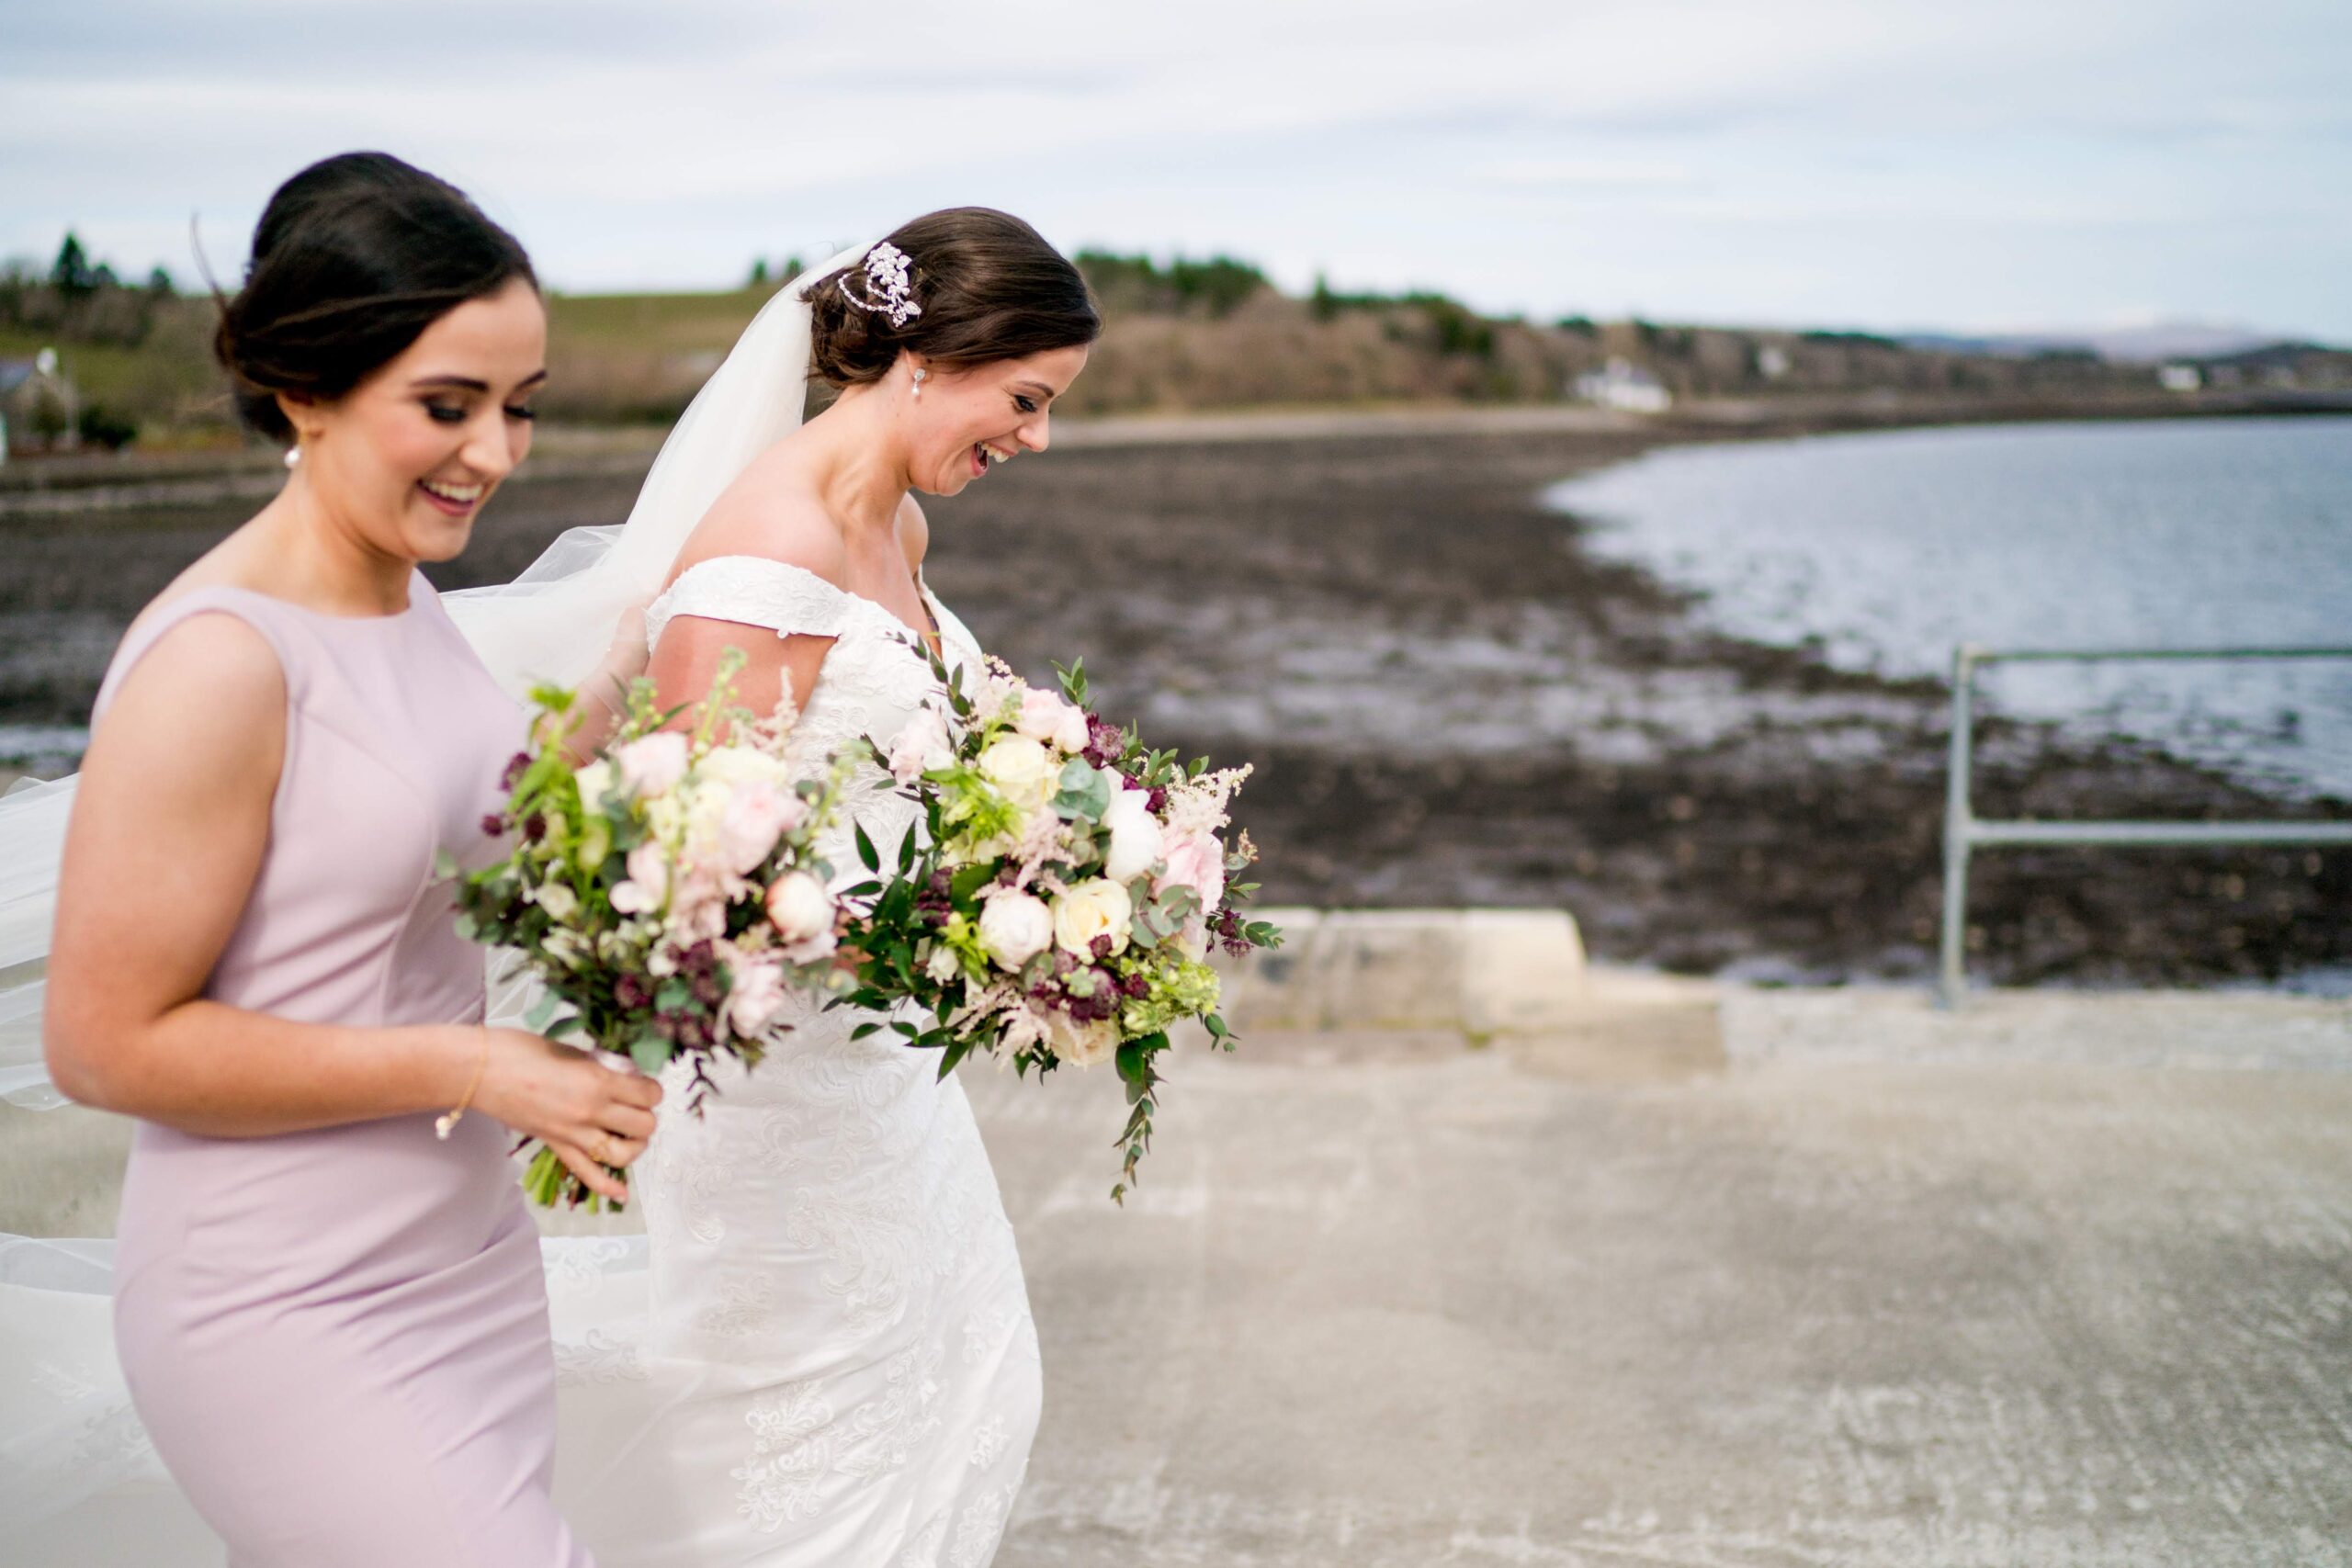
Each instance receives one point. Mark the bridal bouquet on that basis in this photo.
(668, 896)
(1070, 891)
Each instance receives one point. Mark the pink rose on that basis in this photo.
(652, 764)
(919, 747)
(1197, 861)
(756, 995)
(757, 815)
(800, 907)
(649, 881)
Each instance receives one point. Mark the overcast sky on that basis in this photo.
(1883, 163)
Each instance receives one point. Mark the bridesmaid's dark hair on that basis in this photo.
(989, 288)
(353, 259)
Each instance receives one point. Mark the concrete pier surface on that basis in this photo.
(1694, 1276)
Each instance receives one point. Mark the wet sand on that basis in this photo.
(1448, 701)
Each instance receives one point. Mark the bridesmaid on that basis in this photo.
(333, 1321)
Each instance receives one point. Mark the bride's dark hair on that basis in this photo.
(990, 286)
(353, 259)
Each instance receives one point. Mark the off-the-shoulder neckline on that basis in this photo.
(936, 636)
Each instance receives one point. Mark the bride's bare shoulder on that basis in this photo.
(774, 519)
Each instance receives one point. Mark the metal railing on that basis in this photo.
(1965, 832)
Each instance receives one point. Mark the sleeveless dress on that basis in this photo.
(835, 1361)
(337, 1339)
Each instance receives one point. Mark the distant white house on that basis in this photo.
(37, 405)
(2180, 378)
(1622, 384)
(1771, 362)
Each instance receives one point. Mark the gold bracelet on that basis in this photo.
(445, 1124)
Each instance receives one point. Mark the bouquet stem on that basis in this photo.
(549, 1181)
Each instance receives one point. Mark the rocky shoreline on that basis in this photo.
(1449, 701)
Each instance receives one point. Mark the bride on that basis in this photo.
(837, 1344)
(822, 1352)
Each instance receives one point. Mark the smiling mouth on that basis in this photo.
(985, 456)
(454, 499)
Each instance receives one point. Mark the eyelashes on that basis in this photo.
(1026, 405)
(447, 414)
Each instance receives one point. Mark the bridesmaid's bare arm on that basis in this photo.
(167, 835)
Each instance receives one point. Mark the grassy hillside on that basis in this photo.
(1193, 335)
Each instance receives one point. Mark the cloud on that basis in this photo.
(1707, 157)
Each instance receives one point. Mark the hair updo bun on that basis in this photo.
(989, 287)
(352, 260)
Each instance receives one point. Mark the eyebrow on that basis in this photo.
(467, 384)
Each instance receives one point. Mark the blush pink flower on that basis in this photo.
(757, 815)
(652, 764)
(1197, 860)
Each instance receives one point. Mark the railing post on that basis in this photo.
(1957, 818)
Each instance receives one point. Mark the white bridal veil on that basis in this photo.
(552, 623)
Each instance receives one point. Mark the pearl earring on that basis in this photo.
(919, 374)
(293, 456)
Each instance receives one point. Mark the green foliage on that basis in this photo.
(101, 426)
(1215, 286)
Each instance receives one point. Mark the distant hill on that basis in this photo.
(2121, 345)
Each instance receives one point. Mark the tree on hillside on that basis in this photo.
(72, 274)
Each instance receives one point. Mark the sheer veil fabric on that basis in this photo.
(552, 623)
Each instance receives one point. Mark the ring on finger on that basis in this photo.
(604, 1149)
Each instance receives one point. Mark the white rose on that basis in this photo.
(1095, 908)
(1082, 1044)
(652, 764)
(560, 902)
(800, 907)
(1073, 733)
(1020, 769)
(1135, 836)
(1015, 928)
(942, 966)
(919, 747)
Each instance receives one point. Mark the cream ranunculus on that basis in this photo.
(1081, 1044)
(1022, 769)
(1015, 928)
(1136, 844)
(560, 901)
(800, 907)
(647, 885)
(1095, 908)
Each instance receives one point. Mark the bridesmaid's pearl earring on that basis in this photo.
(293, 456)
(919, 374)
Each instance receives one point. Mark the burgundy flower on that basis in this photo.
(493, 824)
(535, 827)
(630, 992)
(514, 770)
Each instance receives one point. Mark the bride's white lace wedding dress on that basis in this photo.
(836, 1364)
(820, 1356)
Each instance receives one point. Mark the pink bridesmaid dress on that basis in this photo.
(338, 1339)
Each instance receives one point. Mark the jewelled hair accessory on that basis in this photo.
(886, 289)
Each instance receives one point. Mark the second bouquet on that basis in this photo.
(1061, 899)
